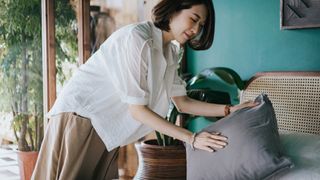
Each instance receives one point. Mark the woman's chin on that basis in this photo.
(181, 42)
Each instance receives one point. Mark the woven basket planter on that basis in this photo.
(158, 162)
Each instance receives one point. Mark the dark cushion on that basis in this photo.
(253, 150)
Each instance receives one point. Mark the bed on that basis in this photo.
(296, 100)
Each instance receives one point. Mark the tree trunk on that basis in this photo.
(23, 144)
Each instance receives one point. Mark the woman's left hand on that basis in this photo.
(243, 105)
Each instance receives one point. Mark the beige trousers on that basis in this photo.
(71, 149)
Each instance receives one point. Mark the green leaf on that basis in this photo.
(196, 79)
(226, 74)
(159, 138)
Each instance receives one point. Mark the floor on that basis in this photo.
(9, 169)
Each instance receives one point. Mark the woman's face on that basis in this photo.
(188, 23)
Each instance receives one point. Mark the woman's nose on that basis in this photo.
(196, 29)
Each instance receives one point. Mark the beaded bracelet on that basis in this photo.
(227, 110)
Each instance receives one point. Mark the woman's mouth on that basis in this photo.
(187, 36)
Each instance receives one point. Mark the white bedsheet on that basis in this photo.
(304, 151)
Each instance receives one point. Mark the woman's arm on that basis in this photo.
(187, 105)
(204, 141)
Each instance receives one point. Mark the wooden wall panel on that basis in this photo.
(48, 55)
(84, 30)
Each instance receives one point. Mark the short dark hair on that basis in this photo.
(165, 9)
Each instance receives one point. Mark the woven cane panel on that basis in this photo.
(296, 100)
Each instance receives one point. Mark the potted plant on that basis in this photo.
(21, 70)
(21, 67)
(165, 157)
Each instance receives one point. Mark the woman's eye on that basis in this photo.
(193, 20)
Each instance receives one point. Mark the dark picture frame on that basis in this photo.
(297, 14)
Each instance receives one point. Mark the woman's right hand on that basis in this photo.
(210, 141)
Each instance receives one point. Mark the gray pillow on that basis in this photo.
(253, 150)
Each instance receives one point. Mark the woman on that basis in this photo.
(123, 92)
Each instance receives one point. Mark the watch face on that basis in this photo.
(297, 14)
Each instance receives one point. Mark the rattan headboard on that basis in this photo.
(295, 97)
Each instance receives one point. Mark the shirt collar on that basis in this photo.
(157, 37)
(158, 43)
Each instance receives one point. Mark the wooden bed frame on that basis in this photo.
(295, 97)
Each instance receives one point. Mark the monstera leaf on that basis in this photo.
(226, 74)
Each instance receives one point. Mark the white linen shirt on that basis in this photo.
(131, 67)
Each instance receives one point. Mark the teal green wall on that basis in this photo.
(248, 39)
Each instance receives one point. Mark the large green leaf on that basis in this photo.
(226, 74)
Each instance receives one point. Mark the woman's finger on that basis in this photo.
(218, 137)
(215, 146)
(222, 143)
(210, 141)
(206, 148)
(203, 146)
(211, 145)
(204, 136)
(251, 103)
